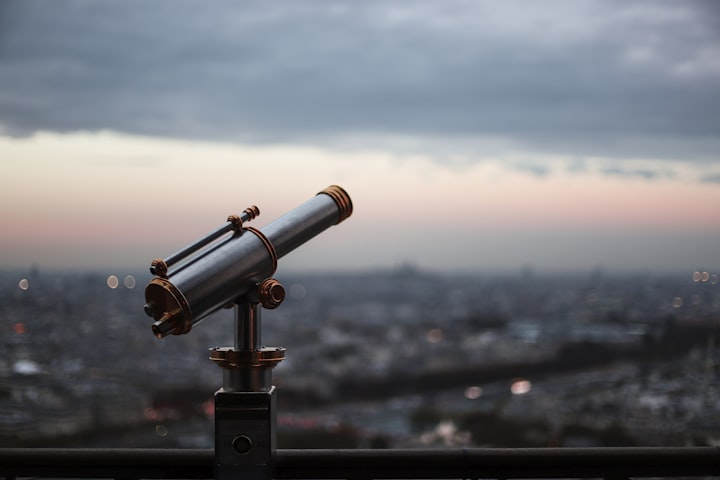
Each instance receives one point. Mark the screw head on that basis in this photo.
(242, 444)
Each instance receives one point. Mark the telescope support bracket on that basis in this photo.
(245, 435)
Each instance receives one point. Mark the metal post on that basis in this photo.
(245, 407)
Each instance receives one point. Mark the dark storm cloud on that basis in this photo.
(606, 78)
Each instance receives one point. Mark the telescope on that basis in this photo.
(233, 267)
(214, 272)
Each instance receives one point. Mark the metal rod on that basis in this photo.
(247, 326)
(246, 215)
(192, 248)
(380, 464)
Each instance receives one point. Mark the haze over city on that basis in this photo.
(470, 135)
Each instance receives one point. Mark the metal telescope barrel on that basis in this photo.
(231, 268)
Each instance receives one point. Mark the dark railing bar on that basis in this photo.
(120, 463)
(501, 463)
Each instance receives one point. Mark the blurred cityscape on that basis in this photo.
(395, 359)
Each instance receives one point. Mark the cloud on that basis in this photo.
(711, 178)
(647, 174)
(617, 79)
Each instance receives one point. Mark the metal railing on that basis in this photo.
(470, 463)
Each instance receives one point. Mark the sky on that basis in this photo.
(471, 135)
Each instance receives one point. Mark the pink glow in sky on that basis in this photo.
(104, 200)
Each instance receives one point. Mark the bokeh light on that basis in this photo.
(704, 276)
(520, 387)
(297, 291)
(112, 281)
(473, 393)
(434, 335)
(129, 281)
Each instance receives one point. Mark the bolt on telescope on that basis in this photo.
(233, 262)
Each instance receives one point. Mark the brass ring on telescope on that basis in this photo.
(168, 299)
(228, 357)
(342, 199)
(236, 222)
(268, 245)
